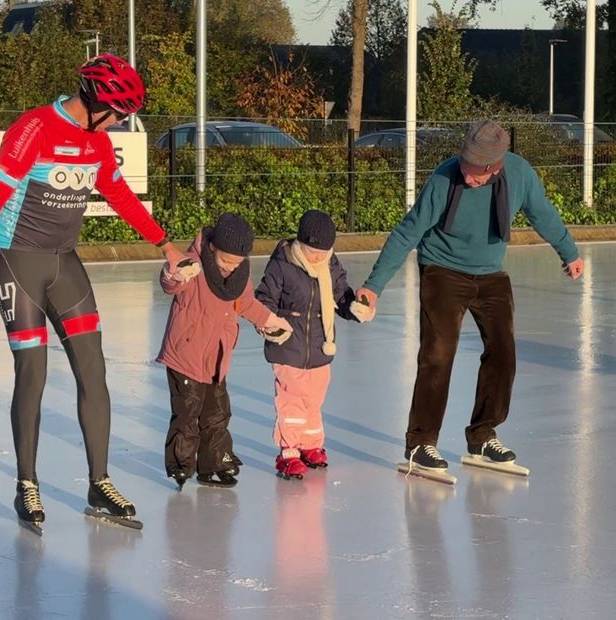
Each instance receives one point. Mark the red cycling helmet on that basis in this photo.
(110, 83)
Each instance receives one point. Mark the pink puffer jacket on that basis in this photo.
(199, 321)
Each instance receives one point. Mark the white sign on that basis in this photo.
(131, 151)
(102, 209)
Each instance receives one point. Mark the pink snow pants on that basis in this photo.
(299, 397)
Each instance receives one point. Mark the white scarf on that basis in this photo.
(321, 272)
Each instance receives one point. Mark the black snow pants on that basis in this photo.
(198, 431)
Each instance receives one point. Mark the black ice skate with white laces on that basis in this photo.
(426, 461)
(29, 507)
(492, 454)
(108, 504)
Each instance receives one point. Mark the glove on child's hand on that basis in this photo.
(361, 310)
(186, 270)
(277, 336)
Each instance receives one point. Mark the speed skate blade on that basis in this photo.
(101, 515)
(506, 468)
(31, 526)
(430, 474)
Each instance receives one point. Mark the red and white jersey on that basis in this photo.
(49, 166)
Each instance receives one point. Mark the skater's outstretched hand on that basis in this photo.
(276, 322)
(574, 269)
(364, 306)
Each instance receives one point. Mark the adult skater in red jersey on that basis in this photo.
(51, 159)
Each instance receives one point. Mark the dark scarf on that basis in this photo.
(500, 198)
(227, 289)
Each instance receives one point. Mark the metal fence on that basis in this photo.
(304, 157)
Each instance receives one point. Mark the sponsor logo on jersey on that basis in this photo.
(68, 151)
(72, 177)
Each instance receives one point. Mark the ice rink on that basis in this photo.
(356, 541)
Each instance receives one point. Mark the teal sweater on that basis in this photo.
(473, 245)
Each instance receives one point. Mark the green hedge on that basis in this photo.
(272, 188)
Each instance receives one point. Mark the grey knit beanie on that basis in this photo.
(485, 143)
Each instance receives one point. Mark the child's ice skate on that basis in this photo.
(492, 454)
(315, 457)
(291, 467)
(180, 477)
(221, 479)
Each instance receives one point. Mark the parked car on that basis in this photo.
(231, 133)
(571, 128)
(396, 138)
(123, 126)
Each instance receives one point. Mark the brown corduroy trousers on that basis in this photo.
(445, 296)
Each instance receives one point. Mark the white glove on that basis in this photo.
(186, 270)
(277, 336)
(362, 311)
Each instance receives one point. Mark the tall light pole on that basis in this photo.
(201, 92)
(132, 59)
(589, 100)
(411, 104)
(553, 43)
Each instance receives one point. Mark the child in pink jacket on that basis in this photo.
(201, 332)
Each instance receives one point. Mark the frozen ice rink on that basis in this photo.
(356, 541)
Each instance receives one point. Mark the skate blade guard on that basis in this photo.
(511, 467)
(430, 474)
(103, 515)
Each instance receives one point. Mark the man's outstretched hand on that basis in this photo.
(574, 269)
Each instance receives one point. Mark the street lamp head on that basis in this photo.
(557, 41)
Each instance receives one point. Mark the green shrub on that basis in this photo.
(272, 188)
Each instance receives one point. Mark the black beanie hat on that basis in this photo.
(232, 234)
(317, 230)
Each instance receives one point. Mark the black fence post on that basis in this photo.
(172, 168)
(351, 180)
(512, 133)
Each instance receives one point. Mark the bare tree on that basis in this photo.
(360, 26)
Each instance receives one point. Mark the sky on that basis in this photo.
(315, 29)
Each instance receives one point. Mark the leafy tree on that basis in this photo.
(171, 75)
(281, 94)
(386, 27)
(444, 85)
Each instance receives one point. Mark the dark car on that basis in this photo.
(571, 128)
(396, 138)
(231, 133)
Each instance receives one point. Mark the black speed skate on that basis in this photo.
(494, 450)
(427, 456)
(493, 455)
(29, 507)
(107, 503)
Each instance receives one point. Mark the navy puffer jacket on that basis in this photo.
(291, 293)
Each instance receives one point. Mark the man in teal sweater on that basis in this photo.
(460, 226)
